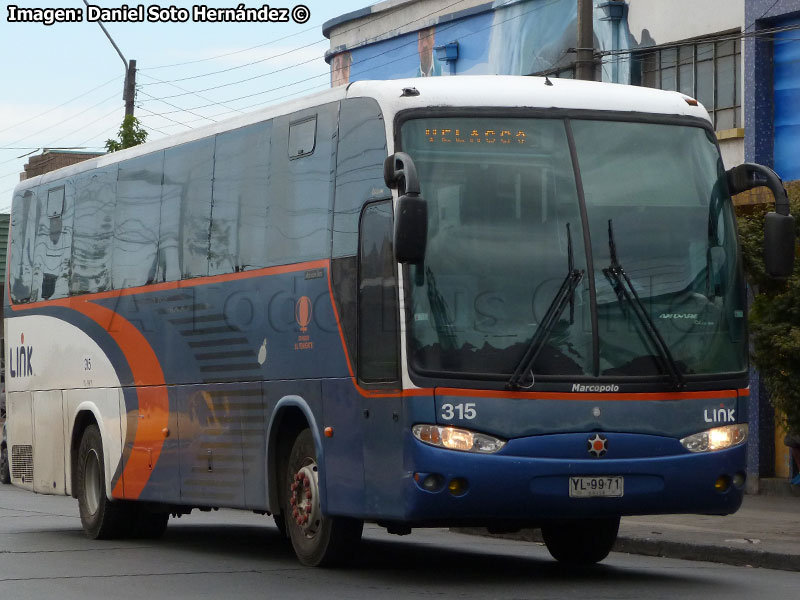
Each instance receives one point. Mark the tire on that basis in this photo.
(5, 472)
(101, 518)
(280, 523)
(581, 542)
(318, 540)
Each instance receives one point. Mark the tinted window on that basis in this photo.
(239, 217)
(301, 192)
(377, 297)
(24, 216)
(53, 244)
(359, 169)
(95, 197)
(186, 209)
(136, 220)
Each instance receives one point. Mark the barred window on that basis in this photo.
(709, 71)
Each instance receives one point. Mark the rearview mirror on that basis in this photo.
(411, 216)
(779, 228)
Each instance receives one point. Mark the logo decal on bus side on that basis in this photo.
(19, 359)
(302, 314)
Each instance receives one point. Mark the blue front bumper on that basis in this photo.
(528, 480)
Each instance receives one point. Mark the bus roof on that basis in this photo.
(462, 90)
(527, 92)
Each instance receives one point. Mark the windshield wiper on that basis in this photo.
(618, 278)
(566, 294)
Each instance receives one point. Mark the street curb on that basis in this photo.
(739, 557)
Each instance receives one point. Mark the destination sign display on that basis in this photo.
(452, 134)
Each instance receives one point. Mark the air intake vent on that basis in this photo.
(22, 463)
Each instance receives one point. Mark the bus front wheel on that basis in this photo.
(101, 518)
(317, 539)
(581, 542)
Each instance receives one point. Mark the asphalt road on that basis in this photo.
(232, 555)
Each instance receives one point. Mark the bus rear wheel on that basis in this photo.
(317, 539)
(581, 542)
(101, 518)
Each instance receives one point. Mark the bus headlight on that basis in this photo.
(454, 438)
(718, 438)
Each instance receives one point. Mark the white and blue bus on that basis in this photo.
(486, 301)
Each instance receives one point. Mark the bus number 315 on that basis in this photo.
(460, 411)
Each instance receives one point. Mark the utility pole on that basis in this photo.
(584, 60)
(129, 89)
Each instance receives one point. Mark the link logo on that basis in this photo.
(19, 359)
(719, 415)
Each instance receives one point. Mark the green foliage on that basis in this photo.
(774, 317)
(131, 133)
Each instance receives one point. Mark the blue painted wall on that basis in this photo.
(786, 57)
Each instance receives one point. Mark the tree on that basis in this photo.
(131, 133)
(774, 317)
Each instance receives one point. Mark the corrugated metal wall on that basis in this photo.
(787, 101)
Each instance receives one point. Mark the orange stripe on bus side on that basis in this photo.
(153, 412)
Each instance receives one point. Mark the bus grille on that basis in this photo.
(22, 463)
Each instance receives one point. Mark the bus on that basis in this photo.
(504, 302)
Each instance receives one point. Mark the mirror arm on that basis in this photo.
(399, 169)
(746, 177)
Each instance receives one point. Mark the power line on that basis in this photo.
(193, 93)
(192, 62)
(367, 40)
(49, 110)
(114, 95)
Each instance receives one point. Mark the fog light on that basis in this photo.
(739, 479)
(458, 486)
(432, 482)
(723, 483)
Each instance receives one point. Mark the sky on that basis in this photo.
(61, 85)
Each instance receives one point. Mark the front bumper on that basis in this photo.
(528, 480)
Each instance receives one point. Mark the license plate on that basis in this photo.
(592, 487)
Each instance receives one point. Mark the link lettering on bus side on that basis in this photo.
(460, 411)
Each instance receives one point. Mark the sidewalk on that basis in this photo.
(765, 532)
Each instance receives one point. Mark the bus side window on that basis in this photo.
(24, 216)
(136, 221)
(186, 210)
(95, 198)
(377, 297)
(239, 215)
(359, 169)
(301, 185)
(54, 243)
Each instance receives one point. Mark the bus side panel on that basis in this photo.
(20, 438)
(152, 448)
(383, 457)
(49, 471)
(221, 432)
(344, 451)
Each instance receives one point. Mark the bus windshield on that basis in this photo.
(651, 257)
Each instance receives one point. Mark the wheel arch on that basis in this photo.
(86, 414)
(291, 415)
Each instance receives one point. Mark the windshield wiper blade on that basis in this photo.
(566, 294)
(618, 278)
